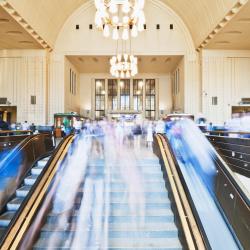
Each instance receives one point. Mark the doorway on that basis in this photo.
(8, 114)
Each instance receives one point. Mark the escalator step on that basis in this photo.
(145, 243)
(121, 244)
(6, 218)
(122, 219)
(42, 163)
(148, 187)
(36, 170)
(14, 204)
(23, 191)
(30, 180)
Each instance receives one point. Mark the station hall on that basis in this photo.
(125, 124)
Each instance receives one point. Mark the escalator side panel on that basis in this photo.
(235, 209)
(242, 222)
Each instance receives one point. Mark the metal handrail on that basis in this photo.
(191, 231)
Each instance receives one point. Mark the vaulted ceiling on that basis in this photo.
(48, 16)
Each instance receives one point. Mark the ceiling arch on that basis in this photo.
(48, 16)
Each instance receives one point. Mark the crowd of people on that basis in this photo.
(125, 132)
(25, 126)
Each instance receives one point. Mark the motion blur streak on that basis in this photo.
(11, 169)
(196, 158)
(99, 157)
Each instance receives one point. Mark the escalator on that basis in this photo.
(220, 205)
(122, 200)
(19, 169)
(14, 204)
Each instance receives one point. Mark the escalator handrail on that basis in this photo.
(228, 173)
(24, 215)
(20, 146)
(192, 233)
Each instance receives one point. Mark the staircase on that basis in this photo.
(14, 204)
(154, 229)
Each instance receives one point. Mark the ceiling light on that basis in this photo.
(123, 66)
(122, 14)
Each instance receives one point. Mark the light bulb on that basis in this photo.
(125, 34)
(140, 27)
(122, 74)
(126, 7)
(125, 57)
(119, 57)
(125, 19)
(115, 19)
(113, 8)
(115, 34)
(106, 30)
(128, 74)
(112, 61)
(134, 32)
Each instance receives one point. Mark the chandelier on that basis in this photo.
(123, 66)
(122, 18)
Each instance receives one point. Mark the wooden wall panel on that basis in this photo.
(226, 75)
(22, 76)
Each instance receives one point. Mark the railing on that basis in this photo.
(192, 233)
(235, 151)
(226, 132)
(15, 132)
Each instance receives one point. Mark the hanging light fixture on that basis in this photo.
(122, 18)
(123, 66)
(124, 63)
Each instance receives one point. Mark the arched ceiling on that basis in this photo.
(47, 17)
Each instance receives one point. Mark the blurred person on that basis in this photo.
(201, 119)
(119, 133)
(137, 132)
(4, 125)
(25, 126)
(98, 139)
(149, 135)
(33, 127)
(13, 126)
(78, 126)
(194, 150)
(63, 130)
(160, 127)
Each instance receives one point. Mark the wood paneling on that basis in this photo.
(225, 75)
(21, 77)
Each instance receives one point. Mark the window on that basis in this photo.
(138, 94)
(99, 98)
(72, 82)
(112, 94)
(125, 94)
(176, 82)
(150, 99)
